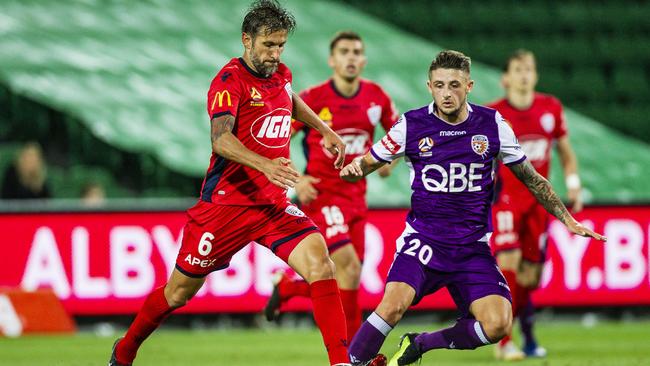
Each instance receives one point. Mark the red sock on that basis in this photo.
(154, 310)
(511, 278)
(523, 295)
(291, 288)
(330, 319)
(350, 301)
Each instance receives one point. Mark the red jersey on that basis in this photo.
(262, 107)
(537, 128)
(353, 118)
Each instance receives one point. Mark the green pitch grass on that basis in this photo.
(618, 344)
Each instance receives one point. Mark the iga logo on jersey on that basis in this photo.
(273, 129)
(356, 142)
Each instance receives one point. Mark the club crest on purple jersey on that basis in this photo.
(480, 144)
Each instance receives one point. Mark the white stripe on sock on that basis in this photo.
(479, 332)
(379, 323)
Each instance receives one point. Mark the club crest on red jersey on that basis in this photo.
(374, 114)
(480, 144)
(256, 97)
(273, 129)
(548, 122)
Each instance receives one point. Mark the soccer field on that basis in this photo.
(568, 344)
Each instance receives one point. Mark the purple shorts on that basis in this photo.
(464, 285)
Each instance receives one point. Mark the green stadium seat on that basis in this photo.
(587, 84)
(631, 85)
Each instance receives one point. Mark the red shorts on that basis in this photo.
(214, 233)
(517, 227)
(340, 222)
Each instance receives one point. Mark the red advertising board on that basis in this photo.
(106, 263)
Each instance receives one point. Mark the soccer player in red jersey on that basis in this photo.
(520, 222)
(353, 107)
(243, 197)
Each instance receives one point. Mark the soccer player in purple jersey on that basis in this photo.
(451, 148)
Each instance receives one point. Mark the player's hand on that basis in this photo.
(579, 229)
(352, 172)
(305, 189)
(575, 199)
(335, 145)
(279, 172)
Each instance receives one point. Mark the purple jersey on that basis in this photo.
(452, 173)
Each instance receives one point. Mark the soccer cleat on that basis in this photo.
(379, 360)
(508, 352)
(534, 350)
(113, 360)
(408, 353)
(272, 308)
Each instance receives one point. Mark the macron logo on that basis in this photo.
(453, 133)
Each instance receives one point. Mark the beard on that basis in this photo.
(265, 68)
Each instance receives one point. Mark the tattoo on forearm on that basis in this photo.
(369, 167)
(541, 189)
(219, 126)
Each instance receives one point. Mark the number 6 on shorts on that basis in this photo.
(205, 246)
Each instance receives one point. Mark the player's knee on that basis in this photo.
(496, 326)
(177, 296)
(391, 310)
(320, 269)
(351, 269)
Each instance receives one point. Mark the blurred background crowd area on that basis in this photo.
(106, 99)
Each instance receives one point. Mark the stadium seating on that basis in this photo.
(120, 87)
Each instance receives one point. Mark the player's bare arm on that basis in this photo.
(226, 144)
(360, 167)
(331, 141)
(543, 192)
(570, 166)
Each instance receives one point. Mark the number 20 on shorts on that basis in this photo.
(421, 251)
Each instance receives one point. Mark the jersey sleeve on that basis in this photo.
(510, 151)
(393, 144)
(224, 94)
(389, 113)
(561, 129)
(297, 125)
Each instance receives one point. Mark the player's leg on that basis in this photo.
(348, 275)
(158, 305)
(534, 240)
(506, 245)
(486, 313)
(367, 342)
(310, 259)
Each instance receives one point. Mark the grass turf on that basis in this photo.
(568, 343)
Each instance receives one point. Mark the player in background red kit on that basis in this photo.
(353, 107)
(243, 198)
(520, 223)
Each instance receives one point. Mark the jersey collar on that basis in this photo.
(253, 72)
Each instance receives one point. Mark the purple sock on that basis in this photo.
(526, 321)
(465, 334)
(369, 338)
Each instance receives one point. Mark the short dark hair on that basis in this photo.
(267, 16)
(517, 55)
(350, 35)
(450, 59)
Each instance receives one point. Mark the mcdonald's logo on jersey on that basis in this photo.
(219, 96)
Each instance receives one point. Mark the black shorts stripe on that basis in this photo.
(279, 242)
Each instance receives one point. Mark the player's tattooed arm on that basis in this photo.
(279, 171)
(541, 188)
(360, 167)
